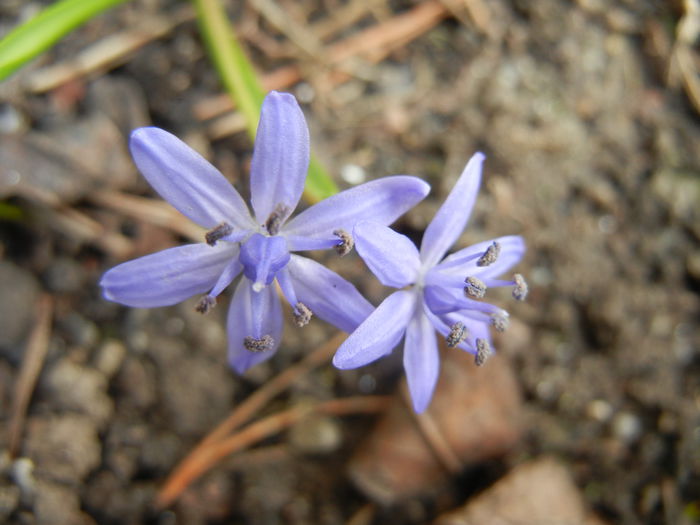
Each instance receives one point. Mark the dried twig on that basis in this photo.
(77, 225)
(683, 60)
(444, 452)
(343, 16)
(148, 210)
(275, 423)
(33, 361)
(472, 13)
(372, 44)
(302, 38)
(364, 515)
(179, 478)
(687, 65)
(265, 428)
(107, 53)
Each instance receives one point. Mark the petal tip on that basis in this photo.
(340, 363)
(421, 405)
(142, 134)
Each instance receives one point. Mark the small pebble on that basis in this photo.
(9, 500)
(78, 388)
(23, 476)
(11, 120)
(353, 174)
(600, 410)
(627, 427)
(79, 330)
(110, 357)
(316, 435)
(64, 276)
(17, 301)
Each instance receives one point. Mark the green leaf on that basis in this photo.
(39, 33)
(239, 79)
(11, 212)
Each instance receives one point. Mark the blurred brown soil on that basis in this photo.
(588, 114)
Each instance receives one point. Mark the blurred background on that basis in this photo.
(587, 111)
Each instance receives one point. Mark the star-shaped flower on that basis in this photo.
(433, 295)
(258, 245)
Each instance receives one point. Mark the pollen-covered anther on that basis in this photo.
(490, 255)
(263, 344)
(346, 243)
(483, 351)
(218, 233)
(274, 221)
(458, 332)
(205, 304)
(475, 288)
(500, 321)
(302, 314)
(521, 289)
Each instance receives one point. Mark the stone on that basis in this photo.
(20, 291)
(539, 491)
(64, 448)
(109, 357)
(316, 434)
(474, 416)
(64, 275)
(57, 504)
(73, 387)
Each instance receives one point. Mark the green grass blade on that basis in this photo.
(239, 79)
(319, 185)
(39, 33)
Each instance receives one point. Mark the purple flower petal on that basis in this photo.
(379, 333)
(329, 296)
(421, 360)
(392, 257)
(186, 180)
(452, 217)
(256, 315)
(280, 158)
(442, 300)
(463, 262)
(167, 277)
(262, 257)
(383, 200)
(297, 243)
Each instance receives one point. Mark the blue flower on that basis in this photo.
(433, 295)
(257, 245)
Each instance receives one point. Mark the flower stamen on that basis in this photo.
(499, 321)
(458, 333)
(217, 233)
(263, 344)
(483, 351)
(346, 243)
(205, 304)
(490, 255)
(274, 221)
(475, 288)
(521, 288)
(302, 314)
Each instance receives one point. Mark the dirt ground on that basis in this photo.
(587, 111)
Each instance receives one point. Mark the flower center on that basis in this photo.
(262, 257)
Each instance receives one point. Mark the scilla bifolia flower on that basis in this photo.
(434, 295)
(258, 245)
